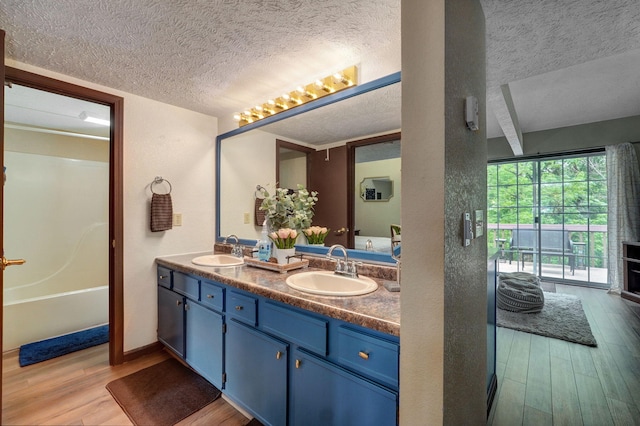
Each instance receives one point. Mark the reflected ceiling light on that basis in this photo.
(89, 118)
(302, 95)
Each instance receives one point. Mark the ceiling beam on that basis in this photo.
(502, 106)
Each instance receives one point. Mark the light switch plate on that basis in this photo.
(246, 218)
(177, 219)
(467, 229)
(479, 220)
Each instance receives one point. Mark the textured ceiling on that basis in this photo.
(215, 57)
(222, 56)
(561, 60)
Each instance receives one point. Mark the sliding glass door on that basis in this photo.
(548, 216)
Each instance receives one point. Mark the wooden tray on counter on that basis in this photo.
(283, 269)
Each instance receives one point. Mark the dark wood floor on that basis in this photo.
(70, 390)
(544, 381)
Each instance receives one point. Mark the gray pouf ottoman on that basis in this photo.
(520, 292)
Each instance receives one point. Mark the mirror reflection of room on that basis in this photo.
(316, 147)
(377, 184)
(292, 165)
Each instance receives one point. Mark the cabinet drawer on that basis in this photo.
(212, 295)
(164, 277)
(372, 356)
(242, 307)
(186, 285)
(295, 327)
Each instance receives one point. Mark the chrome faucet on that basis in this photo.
(236, 250)
(368, 246)
(343, 267)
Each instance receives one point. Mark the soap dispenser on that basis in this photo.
(264, 245)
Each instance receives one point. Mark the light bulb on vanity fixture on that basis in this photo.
(92, 118)
(300, 96)
(340, 78)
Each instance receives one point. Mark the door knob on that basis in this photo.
(7, 262)
(340, 231)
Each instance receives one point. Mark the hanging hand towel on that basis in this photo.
(161, 212)
(259, 215)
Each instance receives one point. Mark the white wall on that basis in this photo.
(422, 295)
(293, 170)
(179, 145)
(246, 160)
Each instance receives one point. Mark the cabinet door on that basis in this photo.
(256, 367)
(171, 320)
(324, 394)
(204, 342)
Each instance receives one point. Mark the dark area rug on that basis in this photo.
(162, 394)
(562, 317)
(43, 350)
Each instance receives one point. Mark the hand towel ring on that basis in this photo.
(159, 180)
(260, 192)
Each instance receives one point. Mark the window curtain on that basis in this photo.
(623, 197)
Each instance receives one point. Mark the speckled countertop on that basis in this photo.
(379, 310)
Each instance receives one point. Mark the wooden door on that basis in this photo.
(116, 194)
(328, 176)
(1, 207)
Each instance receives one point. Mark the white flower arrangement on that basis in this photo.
(289, 209)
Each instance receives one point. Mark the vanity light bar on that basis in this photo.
(303, 94)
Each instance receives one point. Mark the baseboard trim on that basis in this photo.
(142, 351)
(491, 393)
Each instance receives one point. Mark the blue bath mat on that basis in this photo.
(32, 353)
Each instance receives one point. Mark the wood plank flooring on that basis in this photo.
(544, 381)
(70, 390)
(541, 381)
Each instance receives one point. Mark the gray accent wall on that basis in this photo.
(443, 297)
(465, 179)
(585, 136)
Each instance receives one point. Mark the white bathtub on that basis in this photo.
(73, 297)
(39, 318)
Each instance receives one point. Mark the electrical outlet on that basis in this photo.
(247, 218)
(177, 219)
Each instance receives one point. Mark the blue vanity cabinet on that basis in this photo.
(256, 372)
(324, 394)
(204, 342)
(283, 364)
(171, 319)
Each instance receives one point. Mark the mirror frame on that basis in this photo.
(326, 100)
(376, 199)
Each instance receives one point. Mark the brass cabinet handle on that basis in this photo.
(11, 262)
(209, 296)
(238, 308)
(178, 303)
(363, 355)
(298, 363)
(278, 355)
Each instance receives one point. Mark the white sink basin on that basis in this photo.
(218, 260)
(329, 284)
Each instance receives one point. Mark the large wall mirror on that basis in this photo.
(356, 131)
